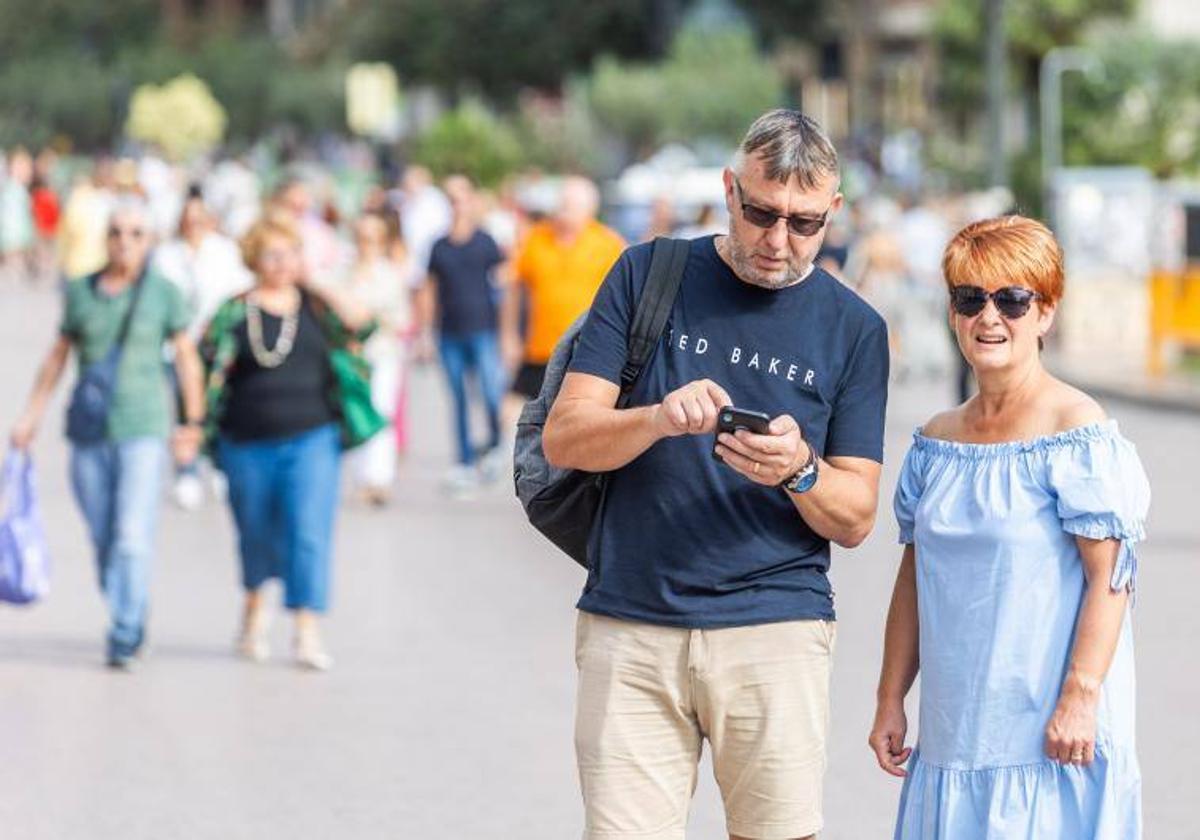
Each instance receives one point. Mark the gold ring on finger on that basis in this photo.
(756, 466)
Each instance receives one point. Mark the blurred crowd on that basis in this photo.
(270, 281)
(378, 235)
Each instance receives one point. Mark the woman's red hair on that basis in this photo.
(1006, 251)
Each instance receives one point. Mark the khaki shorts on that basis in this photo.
(650, 695)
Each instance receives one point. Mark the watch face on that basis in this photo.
(803, 481)
(806, 481)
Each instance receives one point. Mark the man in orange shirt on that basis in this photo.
(560, 265)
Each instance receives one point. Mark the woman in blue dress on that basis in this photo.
(1019, 513)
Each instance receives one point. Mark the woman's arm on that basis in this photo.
(901, 661)
(190, 372)
(1071, 732)
(353, 315)
(47, 379)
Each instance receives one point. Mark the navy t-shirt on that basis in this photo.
(463, 273)
(682, 539)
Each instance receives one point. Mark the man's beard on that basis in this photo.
(743, 267)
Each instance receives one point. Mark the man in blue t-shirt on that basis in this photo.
(708, 612)
(462, 289)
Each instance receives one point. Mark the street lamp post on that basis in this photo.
(997, 77)
(1056, 62)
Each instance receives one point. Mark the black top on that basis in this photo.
(463, 273)
(297, 396)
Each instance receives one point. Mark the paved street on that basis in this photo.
(449, 713)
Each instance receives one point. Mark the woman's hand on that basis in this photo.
(185, 444)
(23, 433)
(887, 738)
(1071, 732)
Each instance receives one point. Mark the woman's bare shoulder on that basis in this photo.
(944, 425)
(1073, 408)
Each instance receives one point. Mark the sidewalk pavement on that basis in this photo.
(1172, 391)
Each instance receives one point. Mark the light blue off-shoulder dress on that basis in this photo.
(999, 586)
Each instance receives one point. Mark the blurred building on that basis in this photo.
(873, 76)
(284, 18)
(1171, 18)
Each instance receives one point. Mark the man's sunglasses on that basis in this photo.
(1012, 301)
(132, 233)
(762, 218)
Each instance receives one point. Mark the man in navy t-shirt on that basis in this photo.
(462, 289)
(708, 612)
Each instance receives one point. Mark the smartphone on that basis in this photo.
(730, 419)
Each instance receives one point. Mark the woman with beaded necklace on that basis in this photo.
(273, 425)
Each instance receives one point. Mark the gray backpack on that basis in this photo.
(563, 504)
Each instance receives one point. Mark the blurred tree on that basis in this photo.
(561, 134)
(69, 68)
(47, 97)
(56, 75)
(1033, 28)
(98, 30)
(181, 117)
(472, 141)
(713, 83)
(1149, 88)
(496, 48)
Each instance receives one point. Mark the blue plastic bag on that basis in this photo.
(24, 563)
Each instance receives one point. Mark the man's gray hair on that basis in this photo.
(789, 144)
(130, 205)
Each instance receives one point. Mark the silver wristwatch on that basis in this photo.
(806, 477)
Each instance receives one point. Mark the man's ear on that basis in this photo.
(727, 177)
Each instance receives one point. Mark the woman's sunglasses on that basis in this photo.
(1012, 301)
(760, 217)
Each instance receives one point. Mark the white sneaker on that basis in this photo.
(218, 485)
(310, 654)
(188, 492)
(495, 464)
(461, 481)
(252, 641)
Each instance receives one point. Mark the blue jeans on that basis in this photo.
(284, 495)
(118, 486)
(479, 353)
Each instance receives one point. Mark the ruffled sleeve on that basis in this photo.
(1103, 493)
(909, 488)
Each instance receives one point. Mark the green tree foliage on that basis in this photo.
(494, 48)
(712, 85)
(563, 135)
(1141, 109)
(68, 67)
(46, 97)
(98, 30)
(1032, 28)
(469, 140)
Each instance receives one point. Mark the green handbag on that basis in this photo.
(359, 419)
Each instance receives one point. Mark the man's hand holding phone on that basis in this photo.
(690, 410)
(769, 458)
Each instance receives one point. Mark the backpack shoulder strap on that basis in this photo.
(667, 261)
